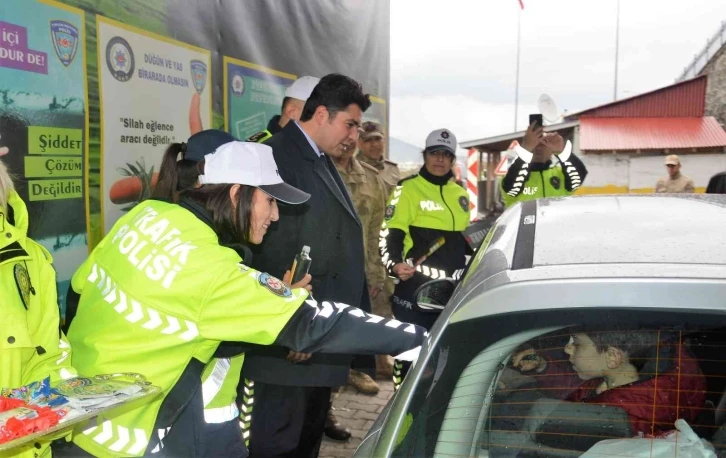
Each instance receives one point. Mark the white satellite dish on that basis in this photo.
(548, 108)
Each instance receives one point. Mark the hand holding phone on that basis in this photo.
(536, 120)
(534, 134)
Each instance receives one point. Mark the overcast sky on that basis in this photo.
(453, 62)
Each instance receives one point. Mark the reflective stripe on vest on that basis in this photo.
(139, 314)
(397, 375)
(210, 389)
(221, 414)
(431, 271)
(131, 441)
(246, 406)
(213, 383)
(162, 434)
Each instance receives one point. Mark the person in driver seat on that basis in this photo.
(649, 374)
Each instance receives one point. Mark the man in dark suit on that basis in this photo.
(292, 391)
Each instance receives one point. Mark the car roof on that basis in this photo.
(661, 229)
(620, 229)
(660, 251)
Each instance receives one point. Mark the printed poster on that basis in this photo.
(252, 96)
(43, 118)
(154, 91)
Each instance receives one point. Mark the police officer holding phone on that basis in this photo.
(545, 167)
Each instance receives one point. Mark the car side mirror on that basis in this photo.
(433, 296)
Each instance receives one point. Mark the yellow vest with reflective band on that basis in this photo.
(219, 389)
(156, 292)
(31, 346)
(418, 203)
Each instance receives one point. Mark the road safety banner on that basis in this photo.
(154, 91)
(253, 94)
(43, 119)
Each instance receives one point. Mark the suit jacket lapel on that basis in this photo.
(336, 185)
(329, 175)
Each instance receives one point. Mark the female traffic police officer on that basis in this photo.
(424, 209)
(31, 346)
(178, 172)
(220, 378)
(162, 290)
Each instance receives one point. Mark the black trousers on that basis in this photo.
(288, 421)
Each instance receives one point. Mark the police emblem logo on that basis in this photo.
(464, 202)
(120, 59)
(199, 75)
(390, 210)
(444, 134)
(65, 40)
(22, 281)
(275, 285)
(555, 182)
(238, 85)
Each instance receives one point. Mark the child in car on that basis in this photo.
(649, 374)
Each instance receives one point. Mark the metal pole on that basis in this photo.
(617, 51)
(516, 90)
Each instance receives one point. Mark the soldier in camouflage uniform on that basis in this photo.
(675, 181)
(367, 191)
(372, 145)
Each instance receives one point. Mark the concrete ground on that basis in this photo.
(357, 412)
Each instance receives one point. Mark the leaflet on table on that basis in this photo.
(38, 409)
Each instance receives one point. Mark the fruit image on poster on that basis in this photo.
(252, 96)
(43, 119)
(154, 91)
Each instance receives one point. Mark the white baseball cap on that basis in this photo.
(250, 164)
(441, 139)
(302, 87)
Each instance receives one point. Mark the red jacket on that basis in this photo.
(653, 403)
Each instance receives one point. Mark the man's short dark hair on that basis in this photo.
(335, 92)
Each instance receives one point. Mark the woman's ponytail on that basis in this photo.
(175, 175)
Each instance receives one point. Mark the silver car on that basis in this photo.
(649, 270)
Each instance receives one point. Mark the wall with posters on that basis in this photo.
(43, 119)
(252, 95)
(153, 91)
(105, 85)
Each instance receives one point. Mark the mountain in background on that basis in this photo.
(400, 151)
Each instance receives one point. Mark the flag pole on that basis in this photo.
(617, 50)
(516, 90)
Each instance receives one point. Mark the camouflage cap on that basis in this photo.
(672, 159)
(371, 129)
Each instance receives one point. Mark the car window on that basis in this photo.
(598, 375)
